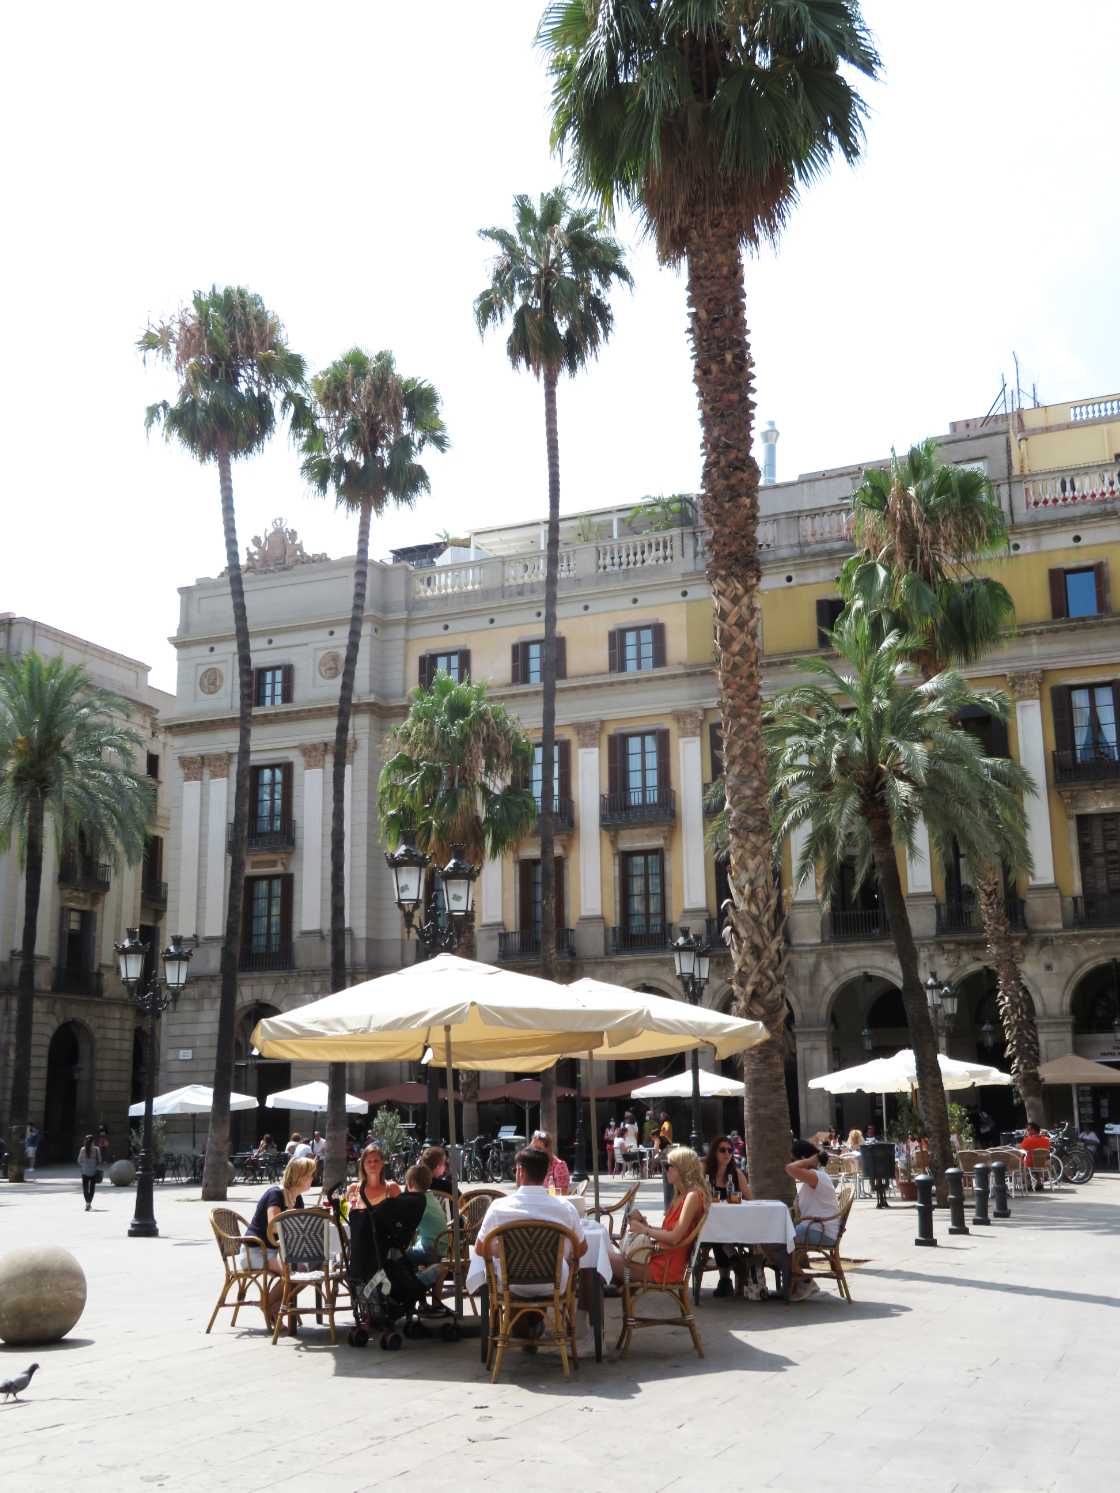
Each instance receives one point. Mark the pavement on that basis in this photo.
(987, 1363)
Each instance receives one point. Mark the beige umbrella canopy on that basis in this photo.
(1074, 1070)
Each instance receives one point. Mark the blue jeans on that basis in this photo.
(814, 1234)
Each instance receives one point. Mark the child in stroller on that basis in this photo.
(385, 1286)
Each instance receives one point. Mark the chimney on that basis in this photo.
(770, 455)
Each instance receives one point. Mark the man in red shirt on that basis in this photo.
(1034, 1141)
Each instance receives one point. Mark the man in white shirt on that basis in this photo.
(532, 1200)
(318, 1145)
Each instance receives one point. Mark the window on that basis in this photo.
(641, 767)
(273, 686)
(634, 650)
(153, 862)
(529, 895)
(455, 663)
(561, 772)
(638, 775)
(1085, 728)
(1080, 593)
(828, 614)
(153, 766)
(1098, 844)
(268, 922)
(643, 894)
(715, 749)
(527, 661)
(989, 730)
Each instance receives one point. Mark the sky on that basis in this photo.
(339, 160)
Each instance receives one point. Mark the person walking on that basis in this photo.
(31, 1141)
(89, 1164)
(102, 1144)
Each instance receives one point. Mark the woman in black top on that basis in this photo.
(725, 1177)
(298, 1178)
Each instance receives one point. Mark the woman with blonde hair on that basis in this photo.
(299, 1175)
(685, 1174)
(855, 1139)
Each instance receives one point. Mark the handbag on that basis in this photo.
(99, 1176)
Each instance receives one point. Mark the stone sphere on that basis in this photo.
(42, 1294)
(122, 1173)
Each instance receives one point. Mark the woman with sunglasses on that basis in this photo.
(725, 1178)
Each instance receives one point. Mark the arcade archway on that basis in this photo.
(68, 1109)
(259, 1077)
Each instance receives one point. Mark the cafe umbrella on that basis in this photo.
(192, 1099)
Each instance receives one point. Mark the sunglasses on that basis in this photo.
(724, 1150)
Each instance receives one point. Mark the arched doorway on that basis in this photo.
(68, 1110)
(1096, 1035)
(259, 1077)
(867, 1021)
(977, 1036)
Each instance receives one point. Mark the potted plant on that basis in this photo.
(904, 1129)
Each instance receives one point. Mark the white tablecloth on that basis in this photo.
(597, 1257)
(766, 1222)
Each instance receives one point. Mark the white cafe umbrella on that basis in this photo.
(712, 1086)
(898, 1074)
(312, 1096)
(192, 1099)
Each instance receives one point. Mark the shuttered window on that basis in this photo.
(1080, 592)
(529, 895)
(268, 914)
(527, 661)
(274, 685)
(828, 614)
(270, 798)
(455, 663)
(643, 891)
(561, 772)
(1086, 720)
(1098, 844)
(633, 650)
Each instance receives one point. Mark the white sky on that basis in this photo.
(339, 159)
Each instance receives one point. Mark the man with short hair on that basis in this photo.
(318, 1145)
(435, 1159)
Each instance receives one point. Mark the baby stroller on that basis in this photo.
(385, 1289)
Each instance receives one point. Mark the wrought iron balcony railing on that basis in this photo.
(267, 834)
(957, 916)
(1089, 764)
(1097, 911)
(77, 982)
(852, 924)
(154, 892)
(563, 816)
(90, 876)
(525, 943)
(638, 806)
(633, 939)
(255, 960)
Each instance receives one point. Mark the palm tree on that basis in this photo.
(551, 277)
(454, 779)
(859, 757)
(370, 427)
(921, 527)
(707, 118)
(66, 758)
(235, 372)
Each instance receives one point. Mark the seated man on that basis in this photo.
(1033, 1141)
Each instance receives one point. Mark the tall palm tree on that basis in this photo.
(235, 373)
(921, 527)
(66, 760)
(370, 426)
(454, 779)
(859, 756)
(707, 118)
(551, 277)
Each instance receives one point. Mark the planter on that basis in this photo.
(907, 1190)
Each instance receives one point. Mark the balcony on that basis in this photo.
(1096, 910)
(857, 924)
(255, 961)
(563, 817)
(1091, 764)
(637, 806)
(77, 982)
(266, 835)
(85, 875)
(636, 940)
(964, 917)
(525, 943)
(1078, 490)
(154, 892)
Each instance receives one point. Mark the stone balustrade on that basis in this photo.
(1085, 489)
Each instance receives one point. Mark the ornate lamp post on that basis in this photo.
(457, 879)
(867, 1036)
(152, 997)
(692, 960)
(942, 1001)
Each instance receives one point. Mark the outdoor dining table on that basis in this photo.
(767, 1223)
(594, 1270)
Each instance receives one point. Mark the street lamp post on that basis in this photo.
(942, 1001)
(433, 936)
(692, 959)
(152, 997)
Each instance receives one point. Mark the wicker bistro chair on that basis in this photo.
(677, 1289)
(619, 1211)
(472, 1210)
(308, 1242)
(531, 1253)
(967, 1160)
(1038, 1169)
(829, 1255)
(228, 1227)
(1015, 1163)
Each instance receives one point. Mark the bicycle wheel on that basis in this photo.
(494, 1166)
(1057, 1170)
(1078, 1165)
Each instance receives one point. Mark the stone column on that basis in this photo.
(813, 1059)
(1044, 901)
(217, 799)
(185, 920)
(920, 901)
(311, 858)
(694, 892)
(348, 803)
(804, 919)
(590, 929)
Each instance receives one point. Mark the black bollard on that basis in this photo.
(1000, 1208)
(924, 1184)
(955, 1181)
(980, 1194)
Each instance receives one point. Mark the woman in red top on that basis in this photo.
(669, 1261)
(558, 1178)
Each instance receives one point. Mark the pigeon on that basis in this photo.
(20, 1381)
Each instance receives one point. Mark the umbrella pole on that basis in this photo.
(1076, 1111)
(594, 1128)
(456, 1235)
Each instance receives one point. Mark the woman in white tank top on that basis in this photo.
(819, 1225)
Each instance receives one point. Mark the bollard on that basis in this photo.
(955, 1180)
(1000, 1208)
(924, 1184)
(980, 1193)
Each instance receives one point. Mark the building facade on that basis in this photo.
(638, 739)
(87, 1061)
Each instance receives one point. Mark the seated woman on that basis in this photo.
(690, 1201)
(264, 1146)
(435, 1159)
(819, 1224)
(298, 1177)
(557, 1179)
(371, 1186)
(725, 1178)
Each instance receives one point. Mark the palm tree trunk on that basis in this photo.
(19, 1112)
(214, 1173)
(1019, 1027)
(723, 375)
(334, 1165)
(931, 1090)
(548, 728)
